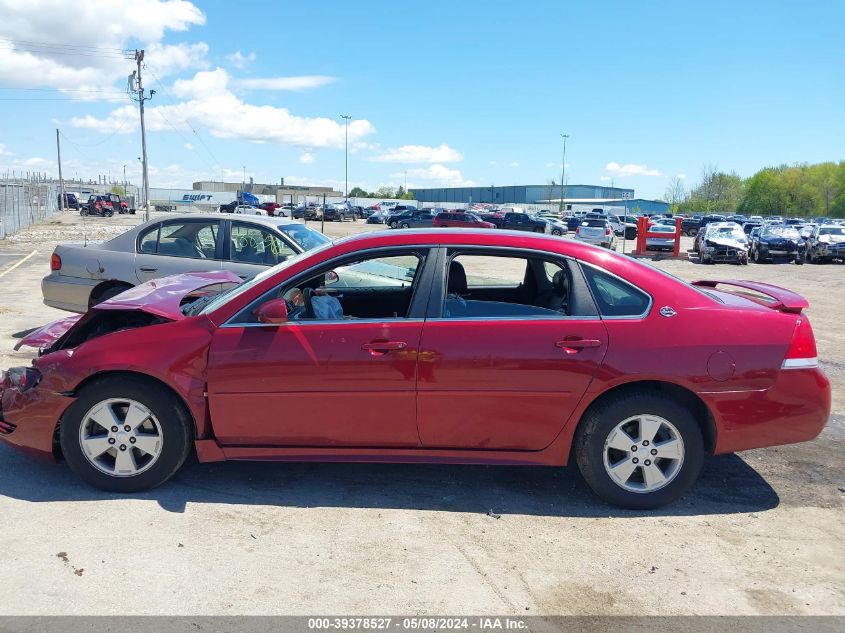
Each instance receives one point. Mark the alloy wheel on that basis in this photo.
(643, 453)
(120, 437)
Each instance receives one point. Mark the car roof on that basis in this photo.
(258, 219)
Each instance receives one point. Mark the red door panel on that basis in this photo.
(343, 383)
(503, 384)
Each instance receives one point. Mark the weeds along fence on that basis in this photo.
(24, 201)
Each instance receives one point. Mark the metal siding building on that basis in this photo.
(517, 194)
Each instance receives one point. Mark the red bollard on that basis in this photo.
(677, 250)
(642, 232)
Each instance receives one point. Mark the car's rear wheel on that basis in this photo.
(125, 434)
(557, 232)
(639, 451)
(405, 225)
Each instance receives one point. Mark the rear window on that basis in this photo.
(595, 223)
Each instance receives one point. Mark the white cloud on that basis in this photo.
(681, 176)
(293, 84)
(165, 59)
(188, 146)
(4, 151)
(119, 24)
(306, 158)
(513, 164)
(419, 154)
(436, 175)
(631, 169)
(239, 60)
(604, 178)
(211, 103)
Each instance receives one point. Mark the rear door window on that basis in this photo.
(615, 297)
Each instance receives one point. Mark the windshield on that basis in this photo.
(832, 230)
(236, 291)
(306, 238)
(728, 232)
(781, 231)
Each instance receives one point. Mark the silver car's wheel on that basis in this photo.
(643, 453)
(120, 437)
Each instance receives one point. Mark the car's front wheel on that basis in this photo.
(125, 434)
(639, 451)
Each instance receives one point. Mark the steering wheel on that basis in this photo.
(307, 294)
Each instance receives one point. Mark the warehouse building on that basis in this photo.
(579, 195)
(282, 192)
(518, 194)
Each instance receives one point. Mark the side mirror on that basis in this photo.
(273, 312)
(332, 278)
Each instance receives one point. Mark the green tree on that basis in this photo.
(385, 192)
(357, 192)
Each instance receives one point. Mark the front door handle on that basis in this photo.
(148, 269)
(573, 344)
(379, 348)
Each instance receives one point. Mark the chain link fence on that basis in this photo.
(24, 201)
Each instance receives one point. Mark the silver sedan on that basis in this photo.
(83, 275)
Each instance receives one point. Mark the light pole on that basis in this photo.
(562, 174)
(124, 182)
(346, 118)
(243, 185)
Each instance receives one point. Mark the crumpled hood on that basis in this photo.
(728, 242)
(160, 297)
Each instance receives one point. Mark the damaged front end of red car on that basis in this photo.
(33, 399)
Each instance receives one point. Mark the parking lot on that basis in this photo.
(761, 533)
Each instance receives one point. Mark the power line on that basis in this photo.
(110, 92)
(59, 45)
(166, 93)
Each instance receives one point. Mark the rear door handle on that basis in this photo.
(148, 269)
(377, 348)
(574, 345)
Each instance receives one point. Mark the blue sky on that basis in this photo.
(441, 93)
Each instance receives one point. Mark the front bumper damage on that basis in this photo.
(28, 420)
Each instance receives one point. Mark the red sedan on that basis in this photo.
(457, 346)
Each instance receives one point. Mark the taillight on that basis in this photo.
(607, 231)
(578, 230)
(55, 262)
(802, 350)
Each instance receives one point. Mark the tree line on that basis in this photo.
(382, 192)
(790, 190)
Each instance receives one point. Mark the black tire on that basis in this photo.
(176, 430)
(596, 426)
(799, 260)
(108, 293)
(404, 225)
(757, 258)
(557, 232)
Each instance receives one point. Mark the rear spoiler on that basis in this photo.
(781, 298)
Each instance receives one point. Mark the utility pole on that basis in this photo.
(61, 181)
(346, 117)
(562, 174)
(136, 86)
(124, 183)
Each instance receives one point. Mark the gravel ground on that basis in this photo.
(761, 533)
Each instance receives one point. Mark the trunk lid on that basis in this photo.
(764, 294)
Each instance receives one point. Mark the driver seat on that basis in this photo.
(555, 298)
